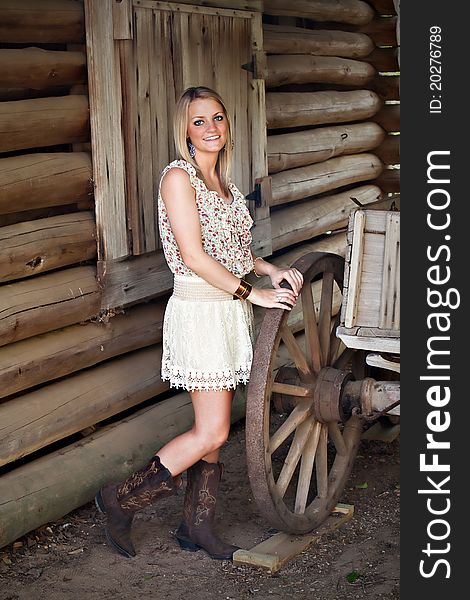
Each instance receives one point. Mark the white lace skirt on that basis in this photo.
(207, 337)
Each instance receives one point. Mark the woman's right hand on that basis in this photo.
(273, 298)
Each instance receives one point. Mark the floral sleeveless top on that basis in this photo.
(225, 227)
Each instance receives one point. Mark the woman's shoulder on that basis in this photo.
(178, 172)
(178, 165)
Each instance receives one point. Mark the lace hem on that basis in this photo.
(205, 381)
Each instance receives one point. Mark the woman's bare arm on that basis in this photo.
(179, 198)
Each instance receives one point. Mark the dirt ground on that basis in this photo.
(69, 559)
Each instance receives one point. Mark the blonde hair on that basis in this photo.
(180, 128)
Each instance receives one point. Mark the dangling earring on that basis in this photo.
(233, 144)
(192, 149)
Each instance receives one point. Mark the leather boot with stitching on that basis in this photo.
(120, 502)
(197, 527)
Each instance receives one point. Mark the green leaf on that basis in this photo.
(352, 577)
(362, 486)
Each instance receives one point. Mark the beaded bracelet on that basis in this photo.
(254, 268)
(243, 290)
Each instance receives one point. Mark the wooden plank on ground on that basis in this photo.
(278, 550)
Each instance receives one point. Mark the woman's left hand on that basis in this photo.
(293, 276)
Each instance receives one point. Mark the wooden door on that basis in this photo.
(141, 55)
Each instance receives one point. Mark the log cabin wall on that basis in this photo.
(65, 365)
(332, 102)
(72, 376)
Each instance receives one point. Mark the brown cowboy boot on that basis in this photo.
(120, 502)
(196, 529)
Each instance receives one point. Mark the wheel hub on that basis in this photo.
(327, 399)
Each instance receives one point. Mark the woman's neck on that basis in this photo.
(207, 164)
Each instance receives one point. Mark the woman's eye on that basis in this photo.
(219, 118)
(198, 122)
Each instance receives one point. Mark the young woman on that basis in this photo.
(208, 324)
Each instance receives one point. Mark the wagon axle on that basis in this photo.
(335, 396)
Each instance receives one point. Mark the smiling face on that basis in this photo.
(207, 125)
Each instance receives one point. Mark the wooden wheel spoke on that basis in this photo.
(292, 390)
(321, 463)
(342, 361)
(293, 456)
(312, 341)
(301, 412)
(335, 342)
(306, 467)
(324, 320)
(295, 350)
(337, 438)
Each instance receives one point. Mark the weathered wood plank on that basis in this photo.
(135, 279)
(314, 108)
(213, 7)
(48, 302)
(46, 357)
(35, 68)
(43, 122)
(30, 21)
(390, 302)
(145, 130)
(304, 68)
(303, 182)
(278, 550)
(290, 150)
(341, 11)
(282, 39)
(123, 26)
(106, 132)
(355, 266)
(34, 247)
(39, 418)
(34, 181)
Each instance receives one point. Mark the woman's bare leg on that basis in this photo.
(212, 410)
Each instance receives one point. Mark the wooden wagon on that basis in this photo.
(304, 420)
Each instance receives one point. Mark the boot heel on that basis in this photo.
(99, 503)
(190, 546)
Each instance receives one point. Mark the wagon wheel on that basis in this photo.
(299, 460)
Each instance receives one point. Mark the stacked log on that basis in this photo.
(35, 181)
(44, 244)
(48, 21)
(285, 110)
(333, 92)
(331, 174)
(37, 360)
(43, 122)
(290, 150)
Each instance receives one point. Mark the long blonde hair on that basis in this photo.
(180, 128)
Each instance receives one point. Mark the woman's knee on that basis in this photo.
(211, 441)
